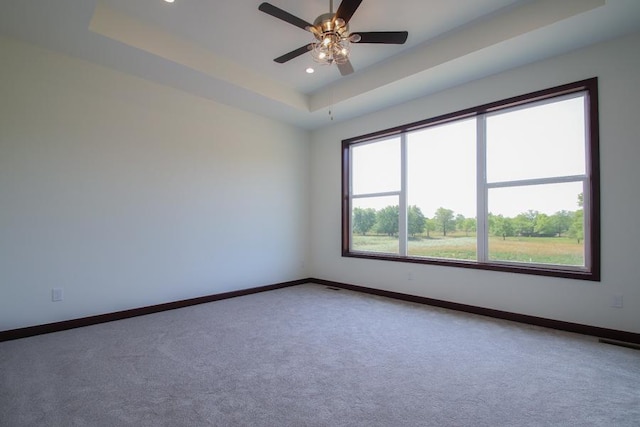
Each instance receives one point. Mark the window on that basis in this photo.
(509, 186)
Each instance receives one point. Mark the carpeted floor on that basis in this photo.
(311, 356)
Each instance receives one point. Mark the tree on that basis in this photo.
(429, 225)
(416, 222)
(459, 221)
(501, 226)
(576, 229)
(387, 220)
(561, 221)
(444, 220)
(491, 221)
(544, 225)
(468, 225)
(525, 223)
(363, 220)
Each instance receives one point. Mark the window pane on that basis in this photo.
(374, 224)
(376, 167)
(542, 141)
(442, 189)
(540, 224)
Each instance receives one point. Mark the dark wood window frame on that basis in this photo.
(590, 88)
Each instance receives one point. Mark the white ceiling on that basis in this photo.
(224, 50)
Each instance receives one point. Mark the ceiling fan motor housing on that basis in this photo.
(326, 23)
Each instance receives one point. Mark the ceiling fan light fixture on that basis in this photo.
(341, 51)
(330, 49)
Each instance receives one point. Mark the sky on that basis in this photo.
(544, 141)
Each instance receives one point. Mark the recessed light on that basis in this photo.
(310, 70)
(169, 1)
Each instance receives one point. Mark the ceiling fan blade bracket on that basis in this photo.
(346, 10)
(315, 31)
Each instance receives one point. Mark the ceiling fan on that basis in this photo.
(332, 37)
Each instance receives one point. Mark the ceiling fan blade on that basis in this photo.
(385, 37)
(293, 54)
(346, 9)
(346, 68)
(285, 16)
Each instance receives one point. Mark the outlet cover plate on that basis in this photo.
(617, 301)
(57, 294)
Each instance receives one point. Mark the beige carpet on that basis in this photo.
(311, 356)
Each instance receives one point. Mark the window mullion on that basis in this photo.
(369, 195)
(537, 181)
(482, 220)
(403, 208)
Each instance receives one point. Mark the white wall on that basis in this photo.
(127, 193)
(616, 63)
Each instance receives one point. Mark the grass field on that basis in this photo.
(542, 250)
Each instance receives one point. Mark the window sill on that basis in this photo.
(538, 270)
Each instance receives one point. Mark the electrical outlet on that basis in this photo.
(57, 294)
(410, 275)
(617, 301)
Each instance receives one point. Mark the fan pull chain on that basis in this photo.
(332, 103)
